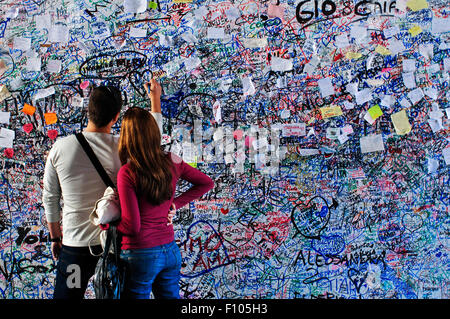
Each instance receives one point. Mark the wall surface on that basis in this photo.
(324, 123)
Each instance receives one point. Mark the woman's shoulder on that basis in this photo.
(125, 170)
(174, 158)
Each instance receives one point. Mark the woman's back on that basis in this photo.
(143, 224)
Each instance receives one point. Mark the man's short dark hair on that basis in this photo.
(105, 102)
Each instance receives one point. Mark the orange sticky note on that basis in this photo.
(50, 118)
(28, 109)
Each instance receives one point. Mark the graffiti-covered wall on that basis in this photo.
(324, 123)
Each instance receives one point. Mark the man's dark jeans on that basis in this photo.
(69, 259)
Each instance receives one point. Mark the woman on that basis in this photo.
(146, 185)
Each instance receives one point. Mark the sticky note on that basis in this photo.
(254, 42)
(293, 129)
(215, 33)
(326, 87)
(54, 66)
(4, 92)
(282, 65)
(23, 44)
(50, 118)
(135, 6)
(28, 109)
(416, 95)
(353, 55)
(433, 165)
(446, 154)
(409, 80)
(415, 30)
(138, 32)
(248, 86)
(33, 64)
(416, 5)
(4, 117)
(401, 122)
(330, 111)
(409, 65)
(375, 111)
(382, 50)
(7, 137)
(152, 5)
(371, 143)
(59, 34)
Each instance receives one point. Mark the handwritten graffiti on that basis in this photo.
(324, 123)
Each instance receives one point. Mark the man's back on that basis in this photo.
(70, 174)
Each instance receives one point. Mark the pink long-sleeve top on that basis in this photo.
(143, 224)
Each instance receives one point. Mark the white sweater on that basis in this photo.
(70, 174)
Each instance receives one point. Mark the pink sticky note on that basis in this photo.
(27, 127)
(238, 134)
(275, 11)
(249, 140)
(84, 85)
(8, 152)
(52, 134)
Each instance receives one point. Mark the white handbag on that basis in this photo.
(107, 208)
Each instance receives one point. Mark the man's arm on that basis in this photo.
(51, 200)
(153, 89)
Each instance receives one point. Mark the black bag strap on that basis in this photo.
(98, 166)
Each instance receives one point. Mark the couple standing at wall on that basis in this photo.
(146, 179)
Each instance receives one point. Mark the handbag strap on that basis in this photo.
(98, 166)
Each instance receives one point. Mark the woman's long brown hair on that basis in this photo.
(140, 145)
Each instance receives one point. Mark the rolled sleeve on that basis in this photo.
(52, 191)
(159, 120)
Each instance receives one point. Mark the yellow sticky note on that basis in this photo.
(50, 118)
(194, 164)
(415, 30)
(375, 112)
(382, 50)
(401, 122)
(28, 109)
(416, 5)
(353, 55)
(330, 111)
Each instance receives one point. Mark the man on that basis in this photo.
(70, 174)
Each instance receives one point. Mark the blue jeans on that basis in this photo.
(86, 262)
(154, 269)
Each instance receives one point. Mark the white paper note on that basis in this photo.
(409, 80)
(33, 64)
(59, 34)
(282, 65)
(54, 66)
(23, 44)
(293, 129)
(326, 87)
(4, 117)
(215, 33)
(409, 65)
(371, 143)
(248, 86)
(6, 137)
(138, 32)
(135, 6)
(446, 154)
(43, 21)
(416, 95)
